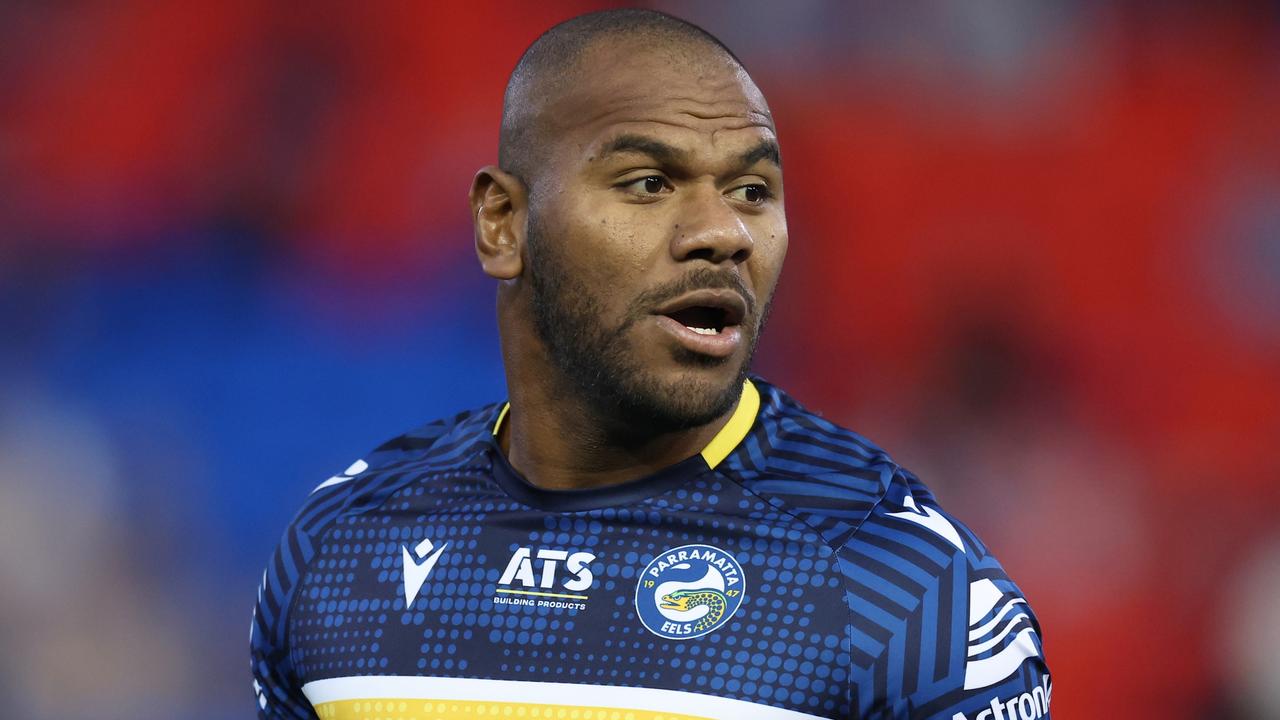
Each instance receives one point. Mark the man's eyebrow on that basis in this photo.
(668, 154)
(765, 150)
(655, 149)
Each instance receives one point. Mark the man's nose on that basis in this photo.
(710, 229)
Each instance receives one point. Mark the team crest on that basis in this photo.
(689, 591)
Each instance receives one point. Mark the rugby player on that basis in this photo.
(643, 529)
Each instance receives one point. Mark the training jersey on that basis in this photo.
(789, 570)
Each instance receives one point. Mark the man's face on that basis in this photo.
(656, 235)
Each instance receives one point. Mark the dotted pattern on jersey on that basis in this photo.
(778, 649)
(882, 631)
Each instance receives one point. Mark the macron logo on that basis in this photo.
(931, 519)
(356, 468)
(417, 569)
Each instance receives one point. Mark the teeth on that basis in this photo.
(704, 331)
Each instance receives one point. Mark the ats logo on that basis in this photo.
(689, 591)
(546, 578)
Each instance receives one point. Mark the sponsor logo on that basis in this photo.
(689, 591)
(546, 577)
(993, 617)
(930, 519)
(1027, 706)
(417, 566)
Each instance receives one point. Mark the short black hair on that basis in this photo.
(552, 58)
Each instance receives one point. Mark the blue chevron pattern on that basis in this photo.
(907, 586)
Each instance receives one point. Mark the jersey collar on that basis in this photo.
(724, 443)
(731, 435)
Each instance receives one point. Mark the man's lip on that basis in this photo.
(730, 301)
(720, 345)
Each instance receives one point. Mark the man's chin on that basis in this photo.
(689, 398)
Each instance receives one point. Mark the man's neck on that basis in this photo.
(564, 446)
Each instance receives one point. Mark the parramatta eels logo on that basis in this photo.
(689, 591)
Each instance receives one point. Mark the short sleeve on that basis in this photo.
(946, 633)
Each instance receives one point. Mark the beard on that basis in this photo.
(596, 362)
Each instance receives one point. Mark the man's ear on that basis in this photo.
(499, 209)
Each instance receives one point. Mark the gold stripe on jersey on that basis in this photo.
(392, 709)
(404, 697)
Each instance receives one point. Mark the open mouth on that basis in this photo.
(706, 323)
(707, 312)
(701, 319)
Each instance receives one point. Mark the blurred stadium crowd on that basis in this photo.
(1035, 254)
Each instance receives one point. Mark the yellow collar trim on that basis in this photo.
(733, 432)
(502, 415)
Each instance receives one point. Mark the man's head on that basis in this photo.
(636, 221)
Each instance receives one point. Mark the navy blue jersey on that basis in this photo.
(789, 570)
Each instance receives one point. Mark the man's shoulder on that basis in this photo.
(836, 480)
(914, 570)
(441, 442)
(909, 568)
(826, 474)
(451, 443)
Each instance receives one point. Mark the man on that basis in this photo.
(641, 531)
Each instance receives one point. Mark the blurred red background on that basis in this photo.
(1035, 253)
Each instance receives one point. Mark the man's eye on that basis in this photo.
(751, 194)
(650, 185)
